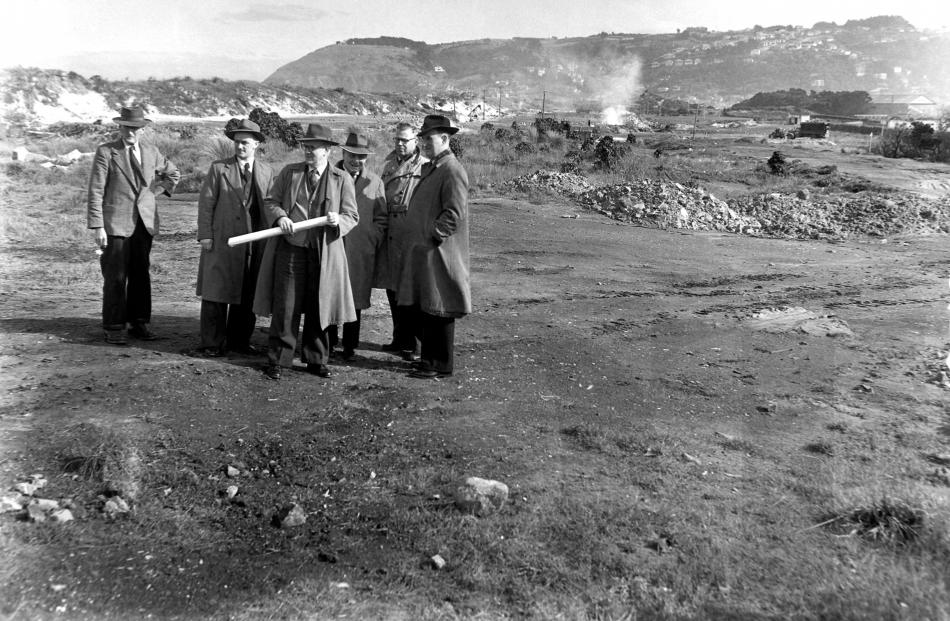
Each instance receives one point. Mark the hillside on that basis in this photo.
(882, 54)
(41, 97)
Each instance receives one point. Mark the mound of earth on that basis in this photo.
(567, 184)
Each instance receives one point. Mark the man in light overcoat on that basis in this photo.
(305, 272)
(230, 203)
(401, 170)
(126, 175)
(435, 278)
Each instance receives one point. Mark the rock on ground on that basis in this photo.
(481, 497)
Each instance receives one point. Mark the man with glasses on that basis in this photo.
(306, 271)
(401, 171)
(126, 175)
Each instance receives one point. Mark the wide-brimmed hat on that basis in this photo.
(434, 122)
(357, 144)
(318, 133)
(248, 127)
(132, 116)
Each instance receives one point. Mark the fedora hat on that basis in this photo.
(248, 127)
(318, 133)
(132, 116)
(434, 122)
(356, 143)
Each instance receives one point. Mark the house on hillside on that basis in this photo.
(904, 105)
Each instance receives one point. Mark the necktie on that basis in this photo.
(312, 179)
(246, 173)
(136, 164)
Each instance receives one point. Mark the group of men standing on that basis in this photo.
(405, 231)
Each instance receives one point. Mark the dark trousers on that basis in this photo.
(405, 324)
(230, 326)
(438, 341)
(226, 326)
(126, 287)
(351, 333)
(296, 291)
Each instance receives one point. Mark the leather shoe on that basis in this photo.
(409, 356)
(142, 333)
(248, 350)
(116, 337)
(272, 371)
(428, 373)
(208, 352)
(320, 370)
(348, 354)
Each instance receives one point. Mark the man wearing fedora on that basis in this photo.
(121, 212)
(401, 170)
(230, 203)
(306, 271)
(435, 279)
(362, 242)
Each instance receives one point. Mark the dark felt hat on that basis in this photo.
(356, 143)
(132, 117)
(318, 133)
(247, 126)
(437, 122)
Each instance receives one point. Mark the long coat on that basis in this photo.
(399, 180)
(362, 242)
(222, 213)
(115, 191)
(436, 276)
(336, 194)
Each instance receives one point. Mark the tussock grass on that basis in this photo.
(102, 455)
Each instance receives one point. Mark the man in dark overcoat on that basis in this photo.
(435, 279)
(231, 203)
(362, 242)
(305, 272)
(126, 175)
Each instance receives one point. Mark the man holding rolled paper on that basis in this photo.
(305, 272)
(231, 203)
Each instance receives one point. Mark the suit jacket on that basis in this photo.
(223, 213)
(362, 243)
(335, 193)
(116, 192)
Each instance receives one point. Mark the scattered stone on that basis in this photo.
(289, 516)
(481, 497)
(232, 472)
(40, 508)
(940, 476)
(766, 408)
(63, 515)
(695, 460)
(565, 183)
(803, 194)
(437, 561)
(11, 503)
(941, 459)
(27, 489)
(56, 588)
(115, 506)
(232, 491)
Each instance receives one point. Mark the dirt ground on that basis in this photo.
(584, 331)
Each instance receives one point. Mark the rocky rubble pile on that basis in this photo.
(804, 215)
(568, 184)
(668, 205)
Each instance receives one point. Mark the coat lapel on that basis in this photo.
(121, 158)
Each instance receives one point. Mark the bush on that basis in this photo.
(608, 153)
(275, 127)
(777, 164)
(457, 145)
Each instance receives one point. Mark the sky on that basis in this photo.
(250, 39)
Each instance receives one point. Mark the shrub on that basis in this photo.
(777, 164)
(277, 128)
(608, 152)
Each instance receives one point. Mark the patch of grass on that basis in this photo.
(102, 455)
(886, 520)
(604, 439)
(821, 447)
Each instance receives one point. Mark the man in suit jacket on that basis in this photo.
(435, 278)
(306, 271)
(231, 203)
(126, 175)
(362, 242)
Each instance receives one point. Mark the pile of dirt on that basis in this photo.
(668, 205)
(838, 217)
(567, 184)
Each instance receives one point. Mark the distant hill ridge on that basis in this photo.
(876, 54)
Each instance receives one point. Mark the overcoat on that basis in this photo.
(399, 181)
(115, 191)
(363, 241)
(222, 214)
(436, 276)
(336, 194)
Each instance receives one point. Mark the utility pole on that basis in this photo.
(484, 91)
(543, 97)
